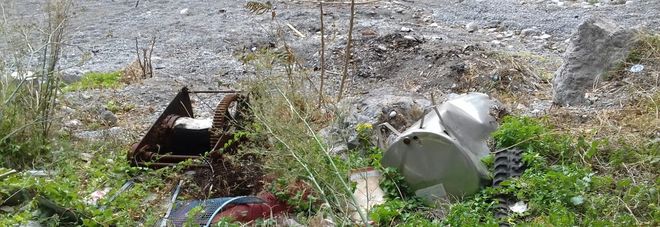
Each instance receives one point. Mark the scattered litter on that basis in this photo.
(170, 204)
(636, 68)
(367, 191)
(39, 173)
(126, 186)
(519, 207)
(94, 198)
(295, 30)
(577, 200)
(6, 172)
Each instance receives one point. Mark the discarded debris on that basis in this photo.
(97, 195)
(178, 136)
(367, 191)
(636, 68)
(171, 203)
(439, 156)
(577, 200)
(519, 207)
(6, 172)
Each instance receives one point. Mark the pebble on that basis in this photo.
(406, 29)
(185, 12)
(471, 27)
(410, 37)
(544, 36)
(108, 117)
(392, 114)
(68, 110)
(529, 31)
(73, 123)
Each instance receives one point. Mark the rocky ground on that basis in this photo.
(401, 47)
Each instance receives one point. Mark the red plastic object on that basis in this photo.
(250, 212)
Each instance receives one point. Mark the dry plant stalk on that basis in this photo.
(58, 11)
(141, 68)
(348, 52)
(145, 63)
(322, 54)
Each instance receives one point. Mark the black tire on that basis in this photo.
(508, 164)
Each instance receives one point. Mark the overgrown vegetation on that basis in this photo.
(28, 97)
(570, 180)
(95, 80)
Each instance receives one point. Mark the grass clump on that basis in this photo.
(96, 80)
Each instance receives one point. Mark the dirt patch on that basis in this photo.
(231, 175)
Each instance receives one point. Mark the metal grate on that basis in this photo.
(210, 208)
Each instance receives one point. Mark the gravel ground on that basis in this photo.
(198, 40)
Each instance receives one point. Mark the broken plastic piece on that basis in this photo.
(636, 68)
(367, 192)
(519, 207)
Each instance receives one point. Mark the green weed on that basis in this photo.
(96, 80)
(565, 184)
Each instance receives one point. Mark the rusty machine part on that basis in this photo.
(177, 136)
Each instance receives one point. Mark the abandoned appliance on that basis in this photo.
(177, 135)
(440, 155)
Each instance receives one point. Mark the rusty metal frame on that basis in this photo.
(148, 152)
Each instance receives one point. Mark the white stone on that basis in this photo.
(409, 37)
(185, 12)
(471, 27)
(73, 123)
(543, 36)
(392, 114)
